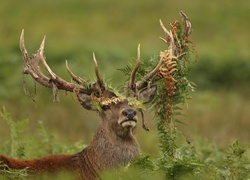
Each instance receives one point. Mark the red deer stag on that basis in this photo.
(114, 143)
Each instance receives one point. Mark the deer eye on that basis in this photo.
(105, 107)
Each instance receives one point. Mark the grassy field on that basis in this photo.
(219, 110)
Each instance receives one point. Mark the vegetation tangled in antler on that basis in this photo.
(170, 75)
(174, 87)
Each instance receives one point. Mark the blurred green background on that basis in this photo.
(219, 110)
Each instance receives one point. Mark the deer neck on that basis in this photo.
(109, 150)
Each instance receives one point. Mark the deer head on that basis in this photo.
(93, 96)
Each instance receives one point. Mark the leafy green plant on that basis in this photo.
(17, 148)
(16, 130)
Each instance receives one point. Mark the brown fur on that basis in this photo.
(112, 146)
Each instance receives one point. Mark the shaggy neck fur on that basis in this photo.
(111, 147)
(107, 150)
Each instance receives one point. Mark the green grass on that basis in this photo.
(193, 159)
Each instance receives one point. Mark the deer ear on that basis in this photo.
(85, 101)
(148, 94)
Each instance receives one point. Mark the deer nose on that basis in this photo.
(129, 113)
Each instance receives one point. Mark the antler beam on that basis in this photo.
(171, 41)
(32, 67)
(52, 80)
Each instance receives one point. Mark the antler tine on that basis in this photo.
(22, 47)
(164, 28)
(98, 76)
(169, 40)
(187, 23)
(154, 71)
(59, 83)
(41, 53)
(31, 66)
(74, 77)
(132, 76)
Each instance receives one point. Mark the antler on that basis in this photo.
(131, 84)
(171, 41)
(99, 79)
(166, 65)
(187, 24)
(32, 67)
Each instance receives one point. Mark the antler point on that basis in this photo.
(94, 58)
(22, 47)
(42, 44)
(139, 53)
(22, 37)
(99, 79)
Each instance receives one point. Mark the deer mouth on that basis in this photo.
(129, 123)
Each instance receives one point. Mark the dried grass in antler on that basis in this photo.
(177, 42)
(167, 69)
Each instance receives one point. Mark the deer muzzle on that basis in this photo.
(129, 118)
